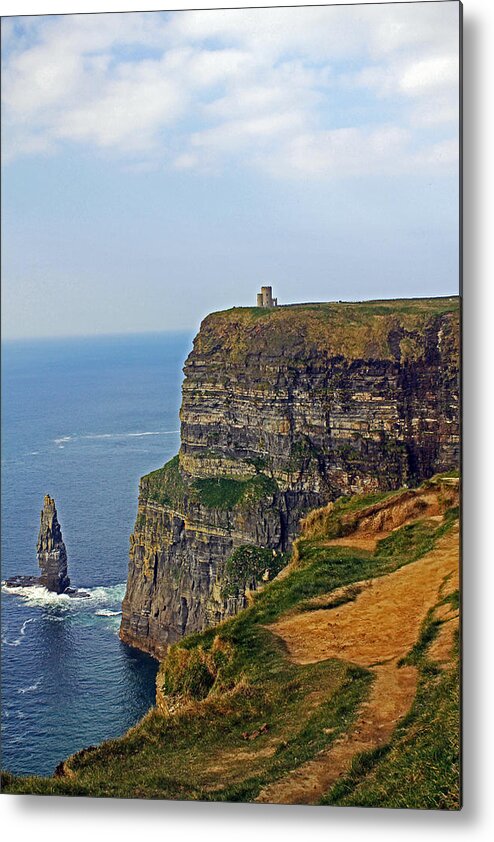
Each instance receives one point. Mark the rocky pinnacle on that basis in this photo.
(51, 552)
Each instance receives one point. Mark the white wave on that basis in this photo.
(7, 642)
(38, 596)
(22, 632)
(159, 433)
(104, 601)
(109, 594)
(32, 687)
(130, 435)
(26, 623)
(63, 439)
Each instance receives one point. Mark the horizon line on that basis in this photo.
(184, 330)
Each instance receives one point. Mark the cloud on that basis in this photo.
(127, 113)
(314, 92)
(342, 153)
(430, 74)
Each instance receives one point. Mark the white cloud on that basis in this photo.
(266, 88)
(430, 74)
(342, 152)
(128, 111)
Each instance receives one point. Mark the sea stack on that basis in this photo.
(51, 552)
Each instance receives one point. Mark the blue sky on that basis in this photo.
(159, 166)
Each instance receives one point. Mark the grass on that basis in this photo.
(168, 487)
(226, 493)
(246, 567)
(234, 714)
(332, 521)
(414, 540)
(350, 594)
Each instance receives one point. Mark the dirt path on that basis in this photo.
(374, 631)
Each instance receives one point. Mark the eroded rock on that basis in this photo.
(51, 552)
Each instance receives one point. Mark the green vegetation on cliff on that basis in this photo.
(168, 487)
(226, 493)
(165, 485)
(237, 715)
(248, 566)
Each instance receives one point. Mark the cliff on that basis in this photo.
(284, 410)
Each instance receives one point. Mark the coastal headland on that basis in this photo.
(295, 569)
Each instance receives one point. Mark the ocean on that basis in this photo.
(82, 420)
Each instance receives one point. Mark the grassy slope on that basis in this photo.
(222, 686)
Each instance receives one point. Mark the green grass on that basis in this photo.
(168, 487)
(226, 493)
(350, 594)
(219, 492)
(323, 569)
(246, 567)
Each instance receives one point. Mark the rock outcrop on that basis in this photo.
(51, 552)
(282, 411)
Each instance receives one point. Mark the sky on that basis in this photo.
(158, 166)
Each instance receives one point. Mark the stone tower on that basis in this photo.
(51, 552)
(265, 298)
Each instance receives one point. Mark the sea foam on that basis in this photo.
(37, 596)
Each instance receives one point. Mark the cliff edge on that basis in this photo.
(282, 411)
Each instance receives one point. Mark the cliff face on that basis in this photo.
(282, 411)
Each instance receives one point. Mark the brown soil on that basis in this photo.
(375, 631)
(440, 650)
(384, 620)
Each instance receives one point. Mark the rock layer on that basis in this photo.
(283, 410)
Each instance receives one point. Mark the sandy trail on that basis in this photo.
(374, 631)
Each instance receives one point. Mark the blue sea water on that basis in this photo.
(82, 420)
